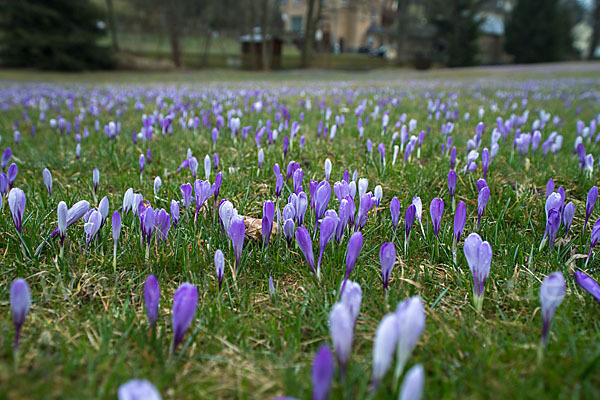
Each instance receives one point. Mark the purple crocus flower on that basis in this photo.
(74, 214)
(485, 161)
(279, 185)
(174, 211)
(436, 210)
(92, 226)
(588, 284)
(550, 188)
(354, 247)
(481, 183)
(460, 217)
(322, 373)
(387, 258)
(193, 165)
(186, 194)
(452, 158)
(411, 322)
(267, 221)
(479, 257)
(20, 301)
(381, 149)
(412, 385)
(322, 197)
(152, 299)
(592, 196)
(297, 179)
(216, 187)
(409, 219)
(286, 145)
(366, 203)
(95, 179)
(395, 212)
(567, 217)
(185, 302)
(327, 168)
(219, 266)
(237, 231)
(47, 175)
(137, 389)
(61, 213)
(452, 186)
(16, 203)
(216, 161)
(352, 298)
(3, 185)
(289, 228)
(341, 330)
(6, 155)
(327, 229)
(482, 200)
(142, 163)
(552, 293)
(202, 191)
(11, 174)
(162, 223)
(116, 232)
(594, 238)
(384, 346)
(305, 244)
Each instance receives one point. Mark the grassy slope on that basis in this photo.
(87, 333)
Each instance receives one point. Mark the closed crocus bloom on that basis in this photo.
(436, 210)
(409, 219)
(595, 237)
(481, 183)
(352, 298)
(128, 200)
(96, 179)
(289, 227)
(216, 187)
(11, 174)
(297, 178)
(411, 322)
(387, 258)
(174, 211)
(185, 302)
(549, 187)
(207, 165)
(482, 200)
(327, 229)
(363, 185)
(479, 257)
(157, 185)
(19, 304)
(16, 203)
(92, 226)
(301, 207)
(47, 175)
(3, 186)
(588, 284)
(6, 155)
(305, 244)
(452, 157)
(384, 346)
(341, 330)
(416, 201)
(226, 213)
(278, 185)
(322, 197)
(61, 214)
(103, 208)
(552, 226)
(412, 386)
(193, 164)
(138, 389)
(322, 373)
(237, 231)
(485, 161)
(219, 266)
(267, 221)
(452, 186)
(567, 217)
(395, 212)
(162, 223)
(354, 247)
(592, 196)
(365, 205)
(116, 232)
(142, 163)
(552, 293)
(328, 167)
(152, 299)
(186, 194)
(460, 217)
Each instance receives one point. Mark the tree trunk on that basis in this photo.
(596, 30)
(252, 44)
(111, 24)
(207, 41)
(174, 34)
(308, 41)
(266, 59)
(401, 31)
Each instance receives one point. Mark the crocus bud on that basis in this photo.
(387, 258)
(452, 184)
(219, 266)
(157, 185)
(384, 346)
(142, 163)
(411, 322)
(328, 167)
(16, 203)
(322, 373)
(237, 230)
(592, 196)
(436, 210)
(588, 284)
(19, 304)
(552, 293)
(103, 209)
(152, 299)
(482, 200)
(395, 212)
(305, 244)
(354, 246)
(412, 386)
(341, 330)
(485, 161)
(207, 165)
(289, 227)
(327, 229)
(175, 211)
(6, 155)
(352, 298)
(185, 301)
(567, 217)
(409, 219)
(479, 257)
(137, 389)
(61, 214)
(47, 175)
(267, 221)
(193, 164)
(96, 179)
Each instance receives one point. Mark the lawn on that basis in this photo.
(87, 332)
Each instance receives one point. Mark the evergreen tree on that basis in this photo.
(52, 34)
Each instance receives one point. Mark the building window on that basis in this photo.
(298, 2)
(283, 2)
(296, 24)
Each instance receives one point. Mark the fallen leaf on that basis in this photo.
(254, 228)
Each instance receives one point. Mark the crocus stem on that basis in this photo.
(401, 361)
(453, 204)
(540, 352)
(147, 252)
(115, 258)
(588, 257)
(62, 250)
(454, 250)
(478, 301)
